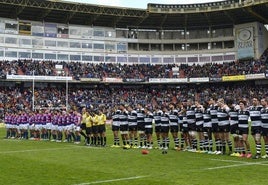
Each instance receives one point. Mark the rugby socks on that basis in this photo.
(230, 145)
(176, 141)
(266, 149)
(218, 144)
(258, 148)
(136, 141)
(182, 142)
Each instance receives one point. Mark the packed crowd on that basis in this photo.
(51, 97)
(141, 71)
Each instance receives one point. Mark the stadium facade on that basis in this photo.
(161, 34)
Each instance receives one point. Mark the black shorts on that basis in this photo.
(124, 128)
(199, 128)
(174, 128)
(83, 126)
(115, 128)
(234, 129)
(148, 130)
(157, 129)
(141, 126)
(95, 129)
(164, 129)
(101, 128)
(88, 130)
(256, 130)
(264, 131)
(224, 128)
(192, 127)
(184, 129)
(215, 127)
(133, 128)
(243, 130)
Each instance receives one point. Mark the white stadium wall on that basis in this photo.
(51, 41)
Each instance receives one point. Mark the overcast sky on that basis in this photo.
(140, 3)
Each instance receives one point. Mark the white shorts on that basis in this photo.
(24, 126)
(49, 125)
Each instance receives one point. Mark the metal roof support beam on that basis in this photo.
(249, 9)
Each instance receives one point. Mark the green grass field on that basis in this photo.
(49, 163)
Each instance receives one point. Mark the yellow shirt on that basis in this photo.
(89, 121)
(84, 117)
(101, 119)
(95, 120)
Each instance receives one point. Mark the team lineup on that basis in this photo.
(215, 127)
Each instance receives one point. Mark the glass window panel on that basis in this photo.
(168, 60)
(192, 59)
(11, 26)
(63, 44)
(75, 57)
(12, 54)
(98, 46)
(99, 58)
(37, 42)
(11, 40)
(50, 56)
(37, 55)
(50, 43)
(121, 59)
(180, 59)
(86, 58)
(98, 33)
(133, 59)
(110, 47)
(25, 55)
(110, 59)
(75, 45)
(1, 53)
(144, 59)
(1, 39)
(87, 45)
(156, 60)
(109, 33)
(25, 41)
(63, 57)
(121, 47)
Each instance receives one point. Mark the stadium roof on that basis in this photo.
(156, 16)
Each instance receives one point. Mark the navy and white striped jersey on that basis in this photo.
(223, 116)
(164, 119)
(123, 118)
(148, 120)
(190, 114)
(132, 118)
(243, 116)
(233, 114)
(199, 116)
(173, 118)
(115, 118)
(213, 113)
(157, 117)
(255, 115)
(140, 115)
(264, 117)
(207, 118)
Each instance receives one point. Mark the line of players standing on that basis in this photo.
(203, 128)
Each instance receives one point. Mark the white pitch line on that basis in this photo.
(242, 163)
(112, 180)
(35, 150)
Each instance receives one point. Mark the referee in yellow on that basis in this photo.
(102, 127)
